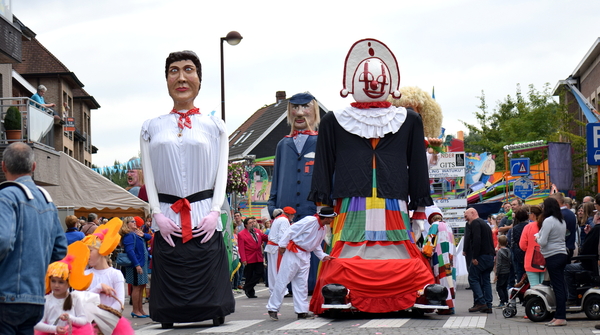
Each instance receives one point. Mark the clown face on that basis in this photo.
(371, 81)
(303, 116)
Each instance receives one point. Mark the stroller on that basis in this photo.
(518, 291)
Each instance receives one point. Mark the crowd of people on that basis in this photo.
(557, 229)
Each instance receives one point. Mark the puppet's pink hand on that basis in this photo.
(208, 226)
(166, 226)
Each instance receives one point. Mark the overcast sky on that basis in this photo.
(117, 48)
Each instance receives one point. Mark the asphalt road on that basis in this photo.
(251, 317)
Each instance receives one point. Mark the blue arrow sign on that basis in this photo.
(523, 188)
(519, 166)
(593, 143)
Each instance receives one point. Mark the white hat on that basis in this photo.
(432, 210)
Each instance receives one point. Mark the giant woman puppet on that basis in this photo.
(371, 164)
(184, 157)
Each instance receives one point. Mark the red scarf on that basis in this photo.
(184, 118)
(295, 133)
(321, 226)
(372, 104)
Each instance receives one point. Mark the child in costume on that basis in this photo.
(106, 292)
(440, 249)
(63, 311)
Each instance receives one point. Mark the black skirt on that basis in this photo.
(190, 282)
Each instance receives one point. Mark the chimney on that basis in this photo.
(279, 95)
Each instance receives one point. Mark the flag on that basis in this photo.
(433, 92)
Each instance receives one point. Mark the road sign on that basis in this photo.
(593, 143)
(449, 165)
(519, 167)
(523, 188)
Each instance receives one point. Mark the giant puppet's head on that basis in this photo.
(371, 72)
(135, 176)
(303, 112)
(422, 103)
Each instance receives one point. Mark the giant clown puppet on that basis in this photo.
(371, 165)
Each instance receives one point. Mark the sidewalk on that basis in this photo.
(496, 323)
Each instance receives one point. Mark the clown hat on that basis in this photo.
(430, 211)
(364, 50)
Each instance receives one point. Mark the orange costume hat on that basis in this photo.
(106, 237)
(72, 268)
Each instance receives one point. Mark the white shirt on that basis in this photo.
(53, 308)
(186, 164)
(278, 227)
(307, 234)
(111, 277)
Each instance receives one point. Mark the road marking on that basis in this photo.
(230, 326)
(242, 294)
(465, 322)
(385, 323)
(151, 330)
(305, 324)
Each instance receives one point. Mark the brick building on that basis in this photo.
(586, 78)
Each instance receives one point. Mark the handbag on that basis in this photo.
(538, 261)
(122, 257)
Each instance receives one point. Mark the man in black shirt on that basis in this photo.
(482, 263)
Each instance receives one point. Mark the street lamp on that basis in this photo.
(232, 38)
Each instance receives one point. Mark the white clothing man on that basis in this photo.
(278, 228)
(296, 244)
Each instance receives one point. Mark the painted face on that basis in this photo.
(371, 81)
(183, 82)
(59, 287)
(132, 178)
(303, 116)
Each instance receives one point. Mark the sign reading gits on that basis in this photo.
(449, 165)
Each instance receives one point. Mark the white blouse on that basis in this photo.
(111, 277)
(53, 308)
(182, 162)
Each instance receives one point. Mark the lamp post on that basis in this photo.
(232, 38)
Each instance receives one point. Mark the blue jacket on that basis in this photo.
(31, 237)
(73, 235)
(292, 176)
(136, 254)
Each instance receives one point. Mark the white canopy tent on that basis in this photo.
(90, 192)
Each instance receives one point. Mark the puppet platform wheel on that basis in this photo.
(509, 312)
(218, 321)
(166, 325)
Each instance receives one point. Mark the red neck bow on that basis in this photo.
(372, 104)
(295, 133)
(184, 118)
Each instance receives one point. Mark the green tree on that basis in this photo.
(117, 174)
(520, 118)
